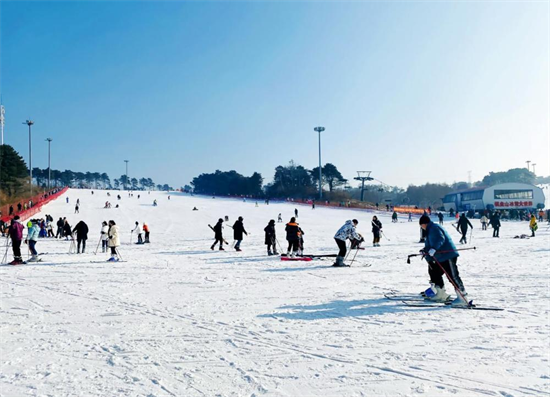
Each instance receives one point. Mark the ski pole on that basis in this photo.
(440, 252)
(356, 251)
(386, 237)
(8, 243)
(458, 291)
(131, 236)
(281, 248)
(96, 248)
(118, 253)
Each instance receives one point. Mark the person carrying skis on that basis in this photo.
(32, 238)
(271, 238)
(533, 225)
(218, 234)
(495, 223)
(104, 236)
(138, 231)
(441, 255)
(81, 230)
(146, 230)
(114, 241)
(376, 229)
(293, 237)
(462, 225)
(16, 235)
(238, 230)
(345, 232)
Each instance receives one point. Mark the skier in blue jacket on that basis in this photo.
(439, 249)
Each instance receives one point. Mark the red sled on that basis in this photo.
(298, 258)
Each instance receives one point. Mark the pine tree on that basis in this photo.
(13, 171)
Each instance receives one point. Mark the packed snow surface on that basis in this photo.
(177, 319)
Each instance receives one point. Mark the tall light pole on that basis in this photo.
(30, 123)
(126, 161)
(49, 164)
(528, 161)
(319, 130)
(534, 168)
(2, 113)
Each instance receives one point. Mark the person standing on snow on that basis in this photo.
(394, 217)
(32, 238)
(533, 225)
(484, 222)
(463, 224)
(441, 255)
(296, 213)
(495, 223)
(81, 230)
(66, 229)
(238, 230)
(16, 235)
(218, 234)
(345, 232)
(271, 238)
(440, 217)
(139, 231)
(104, 236)
(146, 230)
(59, 228)
(293, 237)
(114, 241)
(376, 229)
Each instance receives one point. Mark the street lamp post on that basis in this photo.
(528, 161)
(30, 123)
(534, 168)
(319, 130)
(49, 163)
(125, 185)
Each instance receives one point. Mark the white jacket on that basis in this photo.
(347, 231)
(105, 232)
(138, 229)
(114, 240)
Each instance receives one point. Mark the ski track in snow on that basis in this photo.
(177, 319)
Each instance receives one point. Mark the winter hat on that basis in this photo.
(240, 218)
(424, 219)
(355, 221)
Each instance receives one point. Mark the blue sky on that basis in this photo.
(413, 91)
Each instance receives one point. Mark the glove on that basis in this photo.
(431, 252)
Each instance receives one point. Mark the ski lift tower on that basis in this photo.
(363, 176)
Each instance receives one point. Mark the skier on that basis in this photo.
(76, 209)
(104, 236)
(78, 201)
(146, 230)
(495, 223)
(138, 231)
(345, 232)
(114, 241)
(67, 199)
(293, 237)
(59, 228)
(32, 238)
(300, 242)
(154, 202)
(438, 239)
(66, 229)
(463, 224)
(238, 230)
(280, 218)
(16, 235)
(410, 217)
(81, 230)
(218, 234)
(376, 229)
(533, 225)
(484, 222)
(440, 216)
(271, 238)
(394, 217)
(296, 213)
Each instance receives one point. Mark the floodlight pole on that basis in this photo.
(534, 168)
(125, 185)
(528, 161)
(30, 123)
(49, 163)
(319, 130)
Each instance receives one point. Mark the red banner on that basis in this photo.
(37, 202)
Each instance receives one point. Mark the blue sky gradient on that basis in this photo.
(414, 91)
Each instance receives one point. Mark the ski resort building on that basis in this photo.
(504, 196)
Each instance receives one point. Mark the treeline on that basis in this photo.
(229, 183)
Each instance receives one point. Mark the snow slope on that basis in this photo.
(177, 319)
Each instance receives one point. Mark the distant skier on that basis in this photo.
(104, 236)
(533, 225)
(154, 203)
(271, 238)
(376, 229)
(394, 217)
(76, 207)
(280, 218)
(218, 234)
(138, 230)
(66, 199)
(16, 234)
(78, 201)
(462, 226)
(146, 231)
(81, 230)
(440, 217)
(410, 217)
(238, 230)
(345, 232)
(293, 237)
(438, 239)
(484, 222)
(296, 213)
(32, 239)
(495, 223)
(114, 241)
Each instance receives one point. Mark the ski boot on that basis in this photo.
(339, 262)
(221, 248)
(238, 249)
(461, 300)
(33, 258)
(269, 253)
(112, 259)
(440, 295)
(17, 261)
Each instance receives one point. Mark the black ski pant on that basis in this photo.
(293, 245)
(32, 244)
(376, 237)
(83, 242)
(146, 237)
(140, 239)
(496, 231)
(16, 246)
(436, 273)
(464, 232)
(220, 240)
(483, 226)
(59, 233)
(104, 245)
(342, 246)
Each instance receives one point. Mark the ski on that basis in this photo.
(298, 258)
(408, 298)
(317, 256)
(447, 304)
